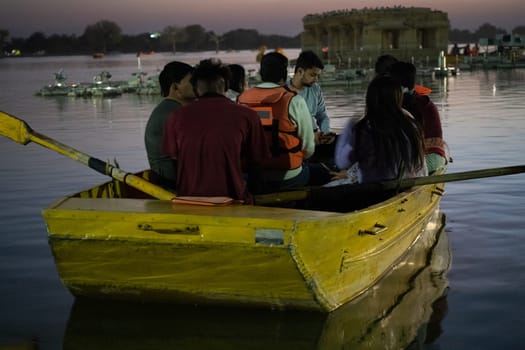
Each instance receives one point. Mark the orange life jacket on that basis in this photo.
(422, 90)
(271, 104)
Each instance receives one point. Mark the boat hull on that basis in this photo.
(384, 317)
(109, 245)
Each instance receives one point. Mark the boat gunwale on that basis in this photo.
(307, 214)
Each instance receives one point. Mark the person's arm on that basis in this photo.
(344, 146)
(169, 142)
(258, 150)
(300, 116)
(433, 130)
(321, 117)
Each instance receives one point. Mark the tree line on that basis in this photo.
(486, 30)
(106, 36)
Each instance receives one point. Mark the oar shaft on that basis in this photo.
(390, 184)
(130, 179)
(101, 167)
(59, 147)
(468, 175)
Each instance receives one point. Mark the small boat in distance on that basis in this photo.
(59, 87)
(101, 86)
(98, 55)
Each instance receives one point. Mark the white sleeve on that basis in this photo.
(344, 146)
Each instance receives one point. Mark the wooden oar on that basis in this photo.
(18, 131)
(388, 185)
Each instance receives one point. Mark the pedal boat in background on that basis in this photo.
(114, 242)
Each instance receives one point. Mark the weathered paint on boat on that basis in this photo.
(109, 242)
(404, 307)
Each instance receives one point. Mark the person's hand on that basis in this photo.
(326, 138)
(317, 137)
(337, 175)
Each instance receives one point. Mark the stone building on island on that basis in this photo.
(354, 38)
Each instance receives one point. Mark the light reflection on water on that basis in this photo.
(484, 123)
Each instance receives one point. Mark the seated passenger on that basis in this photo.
(177, 91)
(425, 112)
(382, 67)
(383, 64)
(237, 82)
(214, 138)
(289, 130)
(308, 69)
(386, 143)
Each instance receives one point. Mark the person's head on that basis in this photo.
(210, 76)
(274, 68)
(405, 73)
(308, 68)
(174, 80)
(383, 96)
(238, 78)
(383, 64)
(397, 137)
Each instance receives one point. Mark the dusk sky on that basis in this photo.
(24, 17)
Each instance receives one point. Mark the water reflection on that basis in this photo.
(403, 311)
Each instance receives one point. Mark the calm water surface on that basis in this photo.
(483, 115)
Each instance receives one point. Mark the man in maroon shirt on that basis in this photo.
(215, 141)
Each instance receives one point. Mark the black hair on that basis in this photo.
(405, 73)
(172, 73)
(308, 59)
(210, 71)
(238, 77)
(274, 67)
(383, 64)
(395, 136)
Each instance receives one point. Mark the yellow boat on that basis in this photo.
(111, 241)
(403, 310)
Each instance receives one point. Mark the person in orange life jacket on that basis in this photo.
(176, 88)
(214, 139)
(382, 66)
(288, 127)
(425, 112)
(308, 69)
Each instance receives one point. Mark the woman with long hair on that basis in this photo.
(387, 143)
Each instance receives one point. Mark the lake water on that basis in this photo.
(483, 116)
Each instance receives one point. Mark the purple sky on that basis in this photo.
(24, 17)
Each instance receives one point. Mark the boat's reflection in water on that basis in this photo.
(403, 310)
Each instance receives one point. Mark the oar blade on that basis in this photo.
(14, 128)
